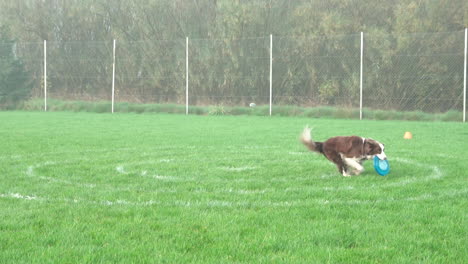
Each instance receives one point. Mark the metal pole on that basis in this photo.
(360, 78)
(271, 69)
(45, 75)
(464, 77)
(113, 76)
(186, 75)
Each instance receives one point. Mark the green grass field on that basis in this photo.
(154, 188)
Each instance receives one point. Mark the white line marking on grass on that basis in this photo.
(161, 177)
(324, 188)
(149, 161)
(50, 179)
(297, 153)
(231, 191)
(19, 196)
(422, 197)
(221, 203)
(165, 160)
(117, 202)
(436, 170)
(443, 155)
(237, 169)
(30, 172)
(329, 175)
(297, 203)
(436, 174)
(11, 157)
(164, 178)
(120, 169)
(242, 191)
(216, 203)
(62, 153)
(30, 169)
(252, 147)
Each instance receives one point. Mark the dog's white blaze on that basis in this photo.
(382, 155)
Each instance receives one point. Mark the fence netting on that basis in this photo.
(79, 70)
(233, 72)
(414, 72)
(150, 71)
(316, 71)
(401, 72)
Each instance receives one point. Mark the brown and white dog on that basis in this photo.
(348, 153)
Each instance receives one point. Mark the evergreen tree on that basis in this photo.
(15, 84)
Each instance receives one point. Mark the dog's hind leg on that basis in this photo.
(340, 164)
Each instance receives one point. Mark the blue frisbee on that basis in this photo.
(382, 167)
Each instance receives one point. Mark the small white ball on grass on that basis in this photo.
(252, 105)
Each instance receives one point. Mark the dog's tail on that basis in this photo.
(306, 139)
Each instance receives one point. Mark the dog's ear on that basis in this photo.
(370, 146)
(367, 147)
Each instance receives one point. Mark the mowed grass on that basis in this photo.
(127, 188)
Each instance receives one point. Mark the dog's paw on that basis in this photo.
(346, 174)
(358, 171)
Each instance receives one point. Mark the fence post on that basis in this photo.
(464, 77)
(186, 76)
(113, 76)
(360, 77)
(45, 75)
(271, 70)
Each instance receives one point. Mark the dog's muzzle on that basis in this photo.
(382, 156)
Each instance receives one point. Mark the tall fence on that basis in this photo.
(403, 72)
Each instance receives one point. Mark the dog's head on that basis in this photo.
(374, 148)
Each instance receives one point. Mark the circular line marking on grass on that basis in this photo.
(237, 169)
(30, 169)
(297, 153)
(220, 203)
(435, 173)
(18, 196)
(30, 173)
(144, 173)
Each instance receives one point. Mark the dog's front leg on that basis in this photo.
(353, 163)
